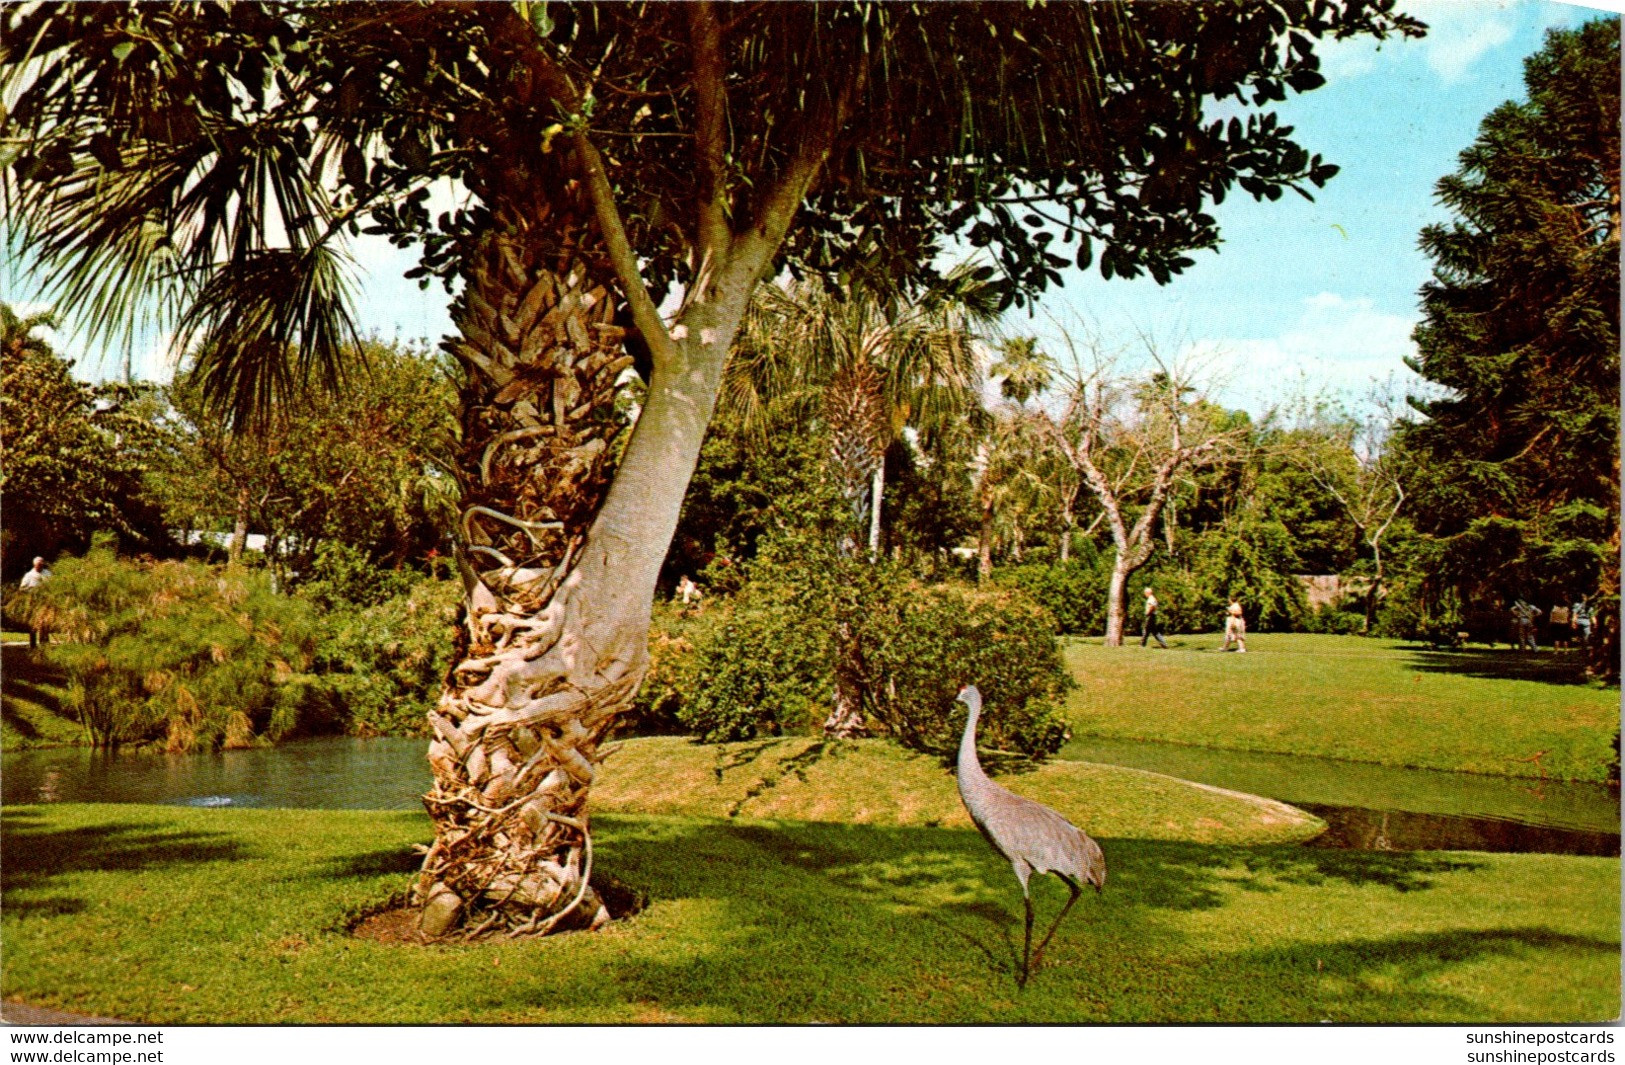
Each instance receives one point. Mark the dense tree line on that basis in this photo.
(1515, 467)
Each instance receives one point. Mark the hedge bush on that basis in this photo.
(764, 663)
(382, 664)
(1074, 592)
(192, 655)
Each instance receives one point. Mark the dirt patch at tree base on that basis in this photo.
(395, 920)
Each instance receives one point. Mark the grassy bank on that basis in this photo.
(175, 915)
(1477, 711)
(877, 782)
(32, 711)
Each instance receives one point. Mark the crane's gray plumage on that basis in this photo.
(1030, 836)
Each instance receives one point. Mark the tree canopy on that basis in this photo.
(235, 143)
(1519, 459)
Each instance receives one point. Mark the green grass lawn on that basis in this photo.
(877, 782)
(175, 915)
(1479, 711)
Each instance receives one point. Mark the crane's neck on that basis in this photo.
(970, 767)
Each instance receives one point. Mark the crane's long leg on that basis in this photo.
(1027, 941)
(1076, 891)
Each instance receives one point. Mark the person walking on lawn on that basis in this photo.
(1235, 627)
(1524, 617)
(31, 581)
(1153, 622)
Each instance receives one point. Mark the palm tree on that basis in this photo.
(872, 361)
(870, 364)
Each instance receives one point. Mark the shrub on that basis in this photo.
(383, 664)
(195, 655)
(672, 634)
(922, 644)
(764, 664)
(343, 576)
(1335, 620)
(1073, 592)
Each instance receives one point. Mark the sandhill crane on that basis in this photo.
(1031, 836)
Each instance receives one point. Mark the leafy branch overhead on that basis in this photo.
(218, 150)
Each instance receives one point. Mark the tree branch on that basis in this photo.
(711, 118)
(758, 241)
(645, 315)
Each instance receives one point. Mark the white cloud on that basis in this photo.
(1343, 345)
(1460, 32)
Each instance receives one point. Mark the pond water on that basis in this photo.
(1367, 807)
(1371, 807)
(332, 773)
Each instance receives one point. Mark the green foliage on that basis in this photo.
(72, 455)
(923, 643)
(342, 576)
(1074, 592)
(362, 469)
(1334, 620)
(1521, 328)
(764, 663)
(382, 662)
(195, 656)
(672, 633)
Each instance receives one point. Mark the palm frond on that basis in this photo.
(268, 325)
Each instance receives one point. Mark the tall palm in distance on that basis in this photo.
(872, 363)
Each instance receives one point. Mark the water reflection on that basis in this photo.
(1352, 828)
(334, 773)
(1308, 782)
(1367, 807)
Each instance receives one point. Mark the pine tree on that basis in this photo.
(1520, 458)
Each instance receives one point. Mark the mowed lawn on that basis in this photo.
(1478, 711)
(177, 915)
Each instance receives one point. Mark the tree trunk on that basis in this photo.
(239, 531)
(846, 716)
(1114, 602)
(984, 544)
(560, 588)
(877, 492)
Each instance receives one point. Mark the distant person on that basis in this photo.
(1235, 627)
(31, 581)
(688, 591)
(1560, 627)
(1580, 617)
(1524, 616)
(1152, 627)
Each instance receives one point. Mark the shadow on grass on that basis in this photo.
(917, 908)
(35, 855)
(391, 862)
(28, 681)
(1545, 667)
(954, 881)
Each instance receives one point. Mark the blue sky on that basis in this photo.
(1324, 294)
(1320, 295)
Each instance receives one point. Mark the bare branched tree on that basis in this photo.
(1129, 438)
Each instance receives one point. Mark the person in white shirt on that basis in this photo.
(1235, 627)
(32, 580)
